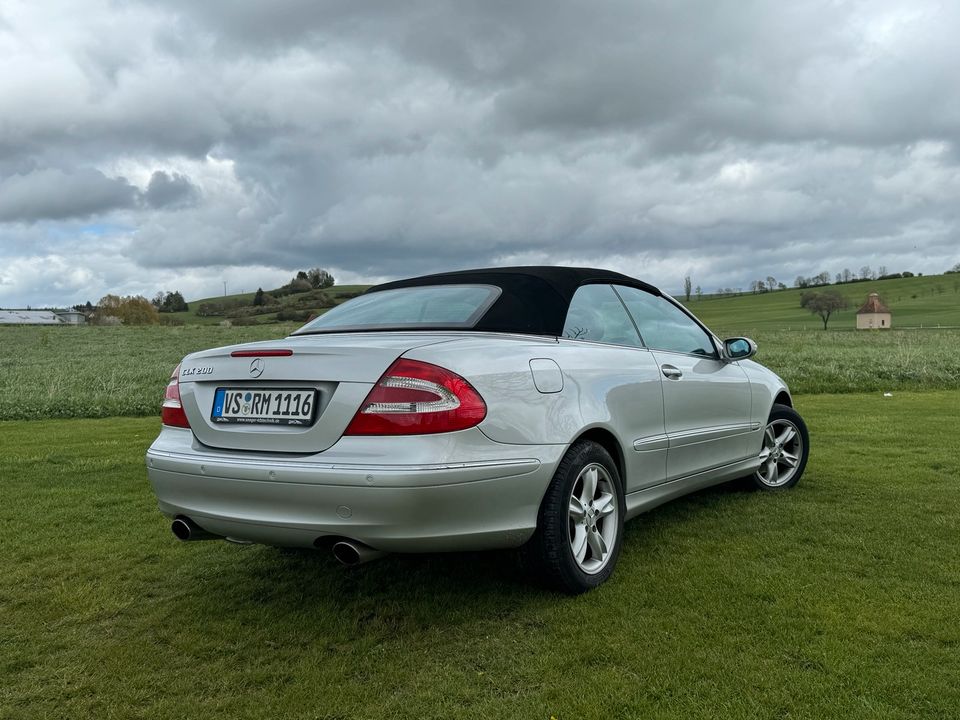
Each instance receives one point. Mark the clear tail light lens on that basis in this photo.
(417, 398)
(172, 413)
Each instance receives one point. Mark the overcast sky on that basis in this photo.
(181, 144)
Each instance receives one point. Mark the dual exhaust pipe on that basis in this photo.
(347, 552)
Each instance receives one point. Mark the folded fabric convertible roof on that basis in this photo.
(533, 300)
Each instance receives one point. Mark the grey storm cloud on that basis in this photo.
(726, 139)
(169, 190)
(56, 194)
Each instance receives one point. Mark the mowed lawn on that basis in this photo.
(838, 599)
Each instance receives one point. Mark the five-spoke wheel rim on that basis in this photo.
(781, 453)
(593, 518)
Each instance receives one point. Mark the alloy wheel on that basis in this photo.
(781, 453)
(593, 518)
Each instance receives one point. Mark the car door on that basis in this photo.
(706, 400)
(618, 380)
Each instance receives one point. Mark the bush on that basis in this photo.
(132, 310)
(219, 308)
(300, 285)
(294, 315)
(250, 311)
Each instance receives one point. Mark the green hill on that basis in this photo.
(240, 310)
(928, 301)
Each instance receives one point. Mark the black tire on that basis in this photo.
(776, 471)
(550, 552)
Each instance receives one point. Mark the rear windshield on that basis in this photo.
(413, 308)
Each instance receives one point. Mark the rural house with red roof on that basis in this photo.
(874, 314)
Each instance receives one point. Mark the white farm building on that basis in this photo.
(41, 317)
(874, 314)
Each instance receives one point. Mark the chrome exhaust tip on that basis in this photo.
(349, 552)
(186, 529)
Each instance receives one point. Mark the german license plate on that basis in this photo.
(268, 407)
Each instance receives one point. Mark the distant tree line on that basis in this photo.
(848, 276)
(770, 283)
(137, 310)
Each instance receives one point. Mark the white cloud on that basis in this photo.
(395, 139)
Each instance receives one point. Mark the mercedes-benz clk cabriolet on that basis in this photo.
(536, 406)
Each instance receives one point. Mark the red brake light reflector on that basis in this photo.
(172, 413)
(262, 353)
(418, 398)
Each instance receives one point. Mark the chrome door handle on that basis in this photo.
(669, 371)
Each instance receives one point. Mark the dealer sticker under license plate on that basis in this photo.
(269, 407)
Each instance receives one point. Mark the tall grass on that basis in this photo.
(814, 361)
(108, 371)
(60, 372)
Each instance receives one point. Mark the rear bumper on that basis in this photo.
(365, 489)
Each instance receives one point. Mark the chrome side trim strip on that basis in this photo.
(654, 442)
(706, 434)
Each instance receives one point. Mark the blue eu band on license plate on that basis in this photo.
(274, 406)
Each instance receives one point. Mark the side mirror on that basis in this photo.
(739, 348)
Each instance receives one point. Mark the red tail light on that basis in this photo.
(172, 413)
(417, 398)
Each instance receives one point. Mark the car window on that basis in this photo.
(596, 314)
(449, 306)
(664, 326)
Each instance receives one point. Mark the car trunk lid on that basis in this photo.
(341, 369)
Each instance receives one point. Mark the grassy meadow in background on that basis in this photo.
(87, 371)
(54, 372)
(927, 301)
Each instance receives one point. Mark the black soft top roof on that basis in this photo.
(533, 300)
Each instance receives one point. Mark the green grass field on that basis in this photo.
(90, 371)
(106, 371)
(837, 599)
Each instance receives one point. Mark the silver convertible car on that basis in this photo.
(531, 406)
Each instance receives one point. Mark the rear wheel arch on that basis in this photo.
(608, 441)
